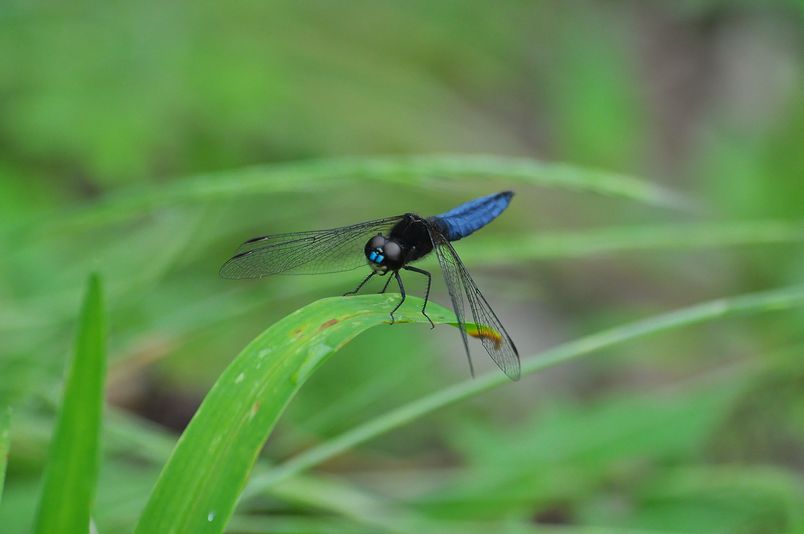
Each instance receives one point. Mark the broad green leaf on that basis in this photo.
(5, 423)
(767, 301)
(199, 486)
(72, 467)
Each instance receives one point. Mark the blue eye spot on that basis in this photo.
(372, 255)
(380, 258)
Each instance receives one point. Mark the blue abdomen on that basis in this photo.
(473, 215)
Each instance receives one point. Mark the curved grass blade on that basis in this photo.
(72, 467)
(198, 488)
(5, 424)
(775, 300)
(418, 170)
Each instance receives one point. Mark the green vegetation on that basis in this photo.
(231, 425)
(654, 151)
(5, 423)
(72, 465)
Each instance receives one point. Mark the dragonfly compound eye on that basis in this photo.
(392, 251)
(375, 242)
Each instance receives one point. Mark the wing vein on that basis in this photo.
(314, 252)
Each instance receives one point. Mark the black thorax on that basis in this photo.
(413, 236)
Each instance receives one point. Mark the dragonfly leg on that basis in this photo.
(355, 290)
(426, 293)
(401, 290)
(386, 285)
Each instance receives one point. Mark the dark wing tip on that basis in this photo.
(507, 194)
(254, 240)
(516, 373)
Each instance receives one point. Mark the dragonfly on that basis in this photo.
(390, 245)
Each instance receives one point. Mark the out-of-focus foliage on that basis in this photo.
(132, 137)
(5, 423)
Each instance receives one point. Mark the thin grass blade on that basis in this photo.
(420, 171)
(5, 424)
(72, 468)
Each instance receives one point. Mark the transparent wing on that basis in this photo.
(315, 252)
(490, 330)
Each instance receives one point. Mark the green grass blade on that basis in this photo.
(72, 467)
(5, 424)
(780, 299)
(198, 488)
(611, 240)
(407, 170)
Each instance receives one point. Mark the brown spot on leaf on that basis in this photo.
(327, 324)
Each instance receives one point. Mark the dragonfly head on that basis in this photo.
(383, 254)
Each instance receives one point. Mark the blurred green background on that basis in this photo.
(129, 135)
